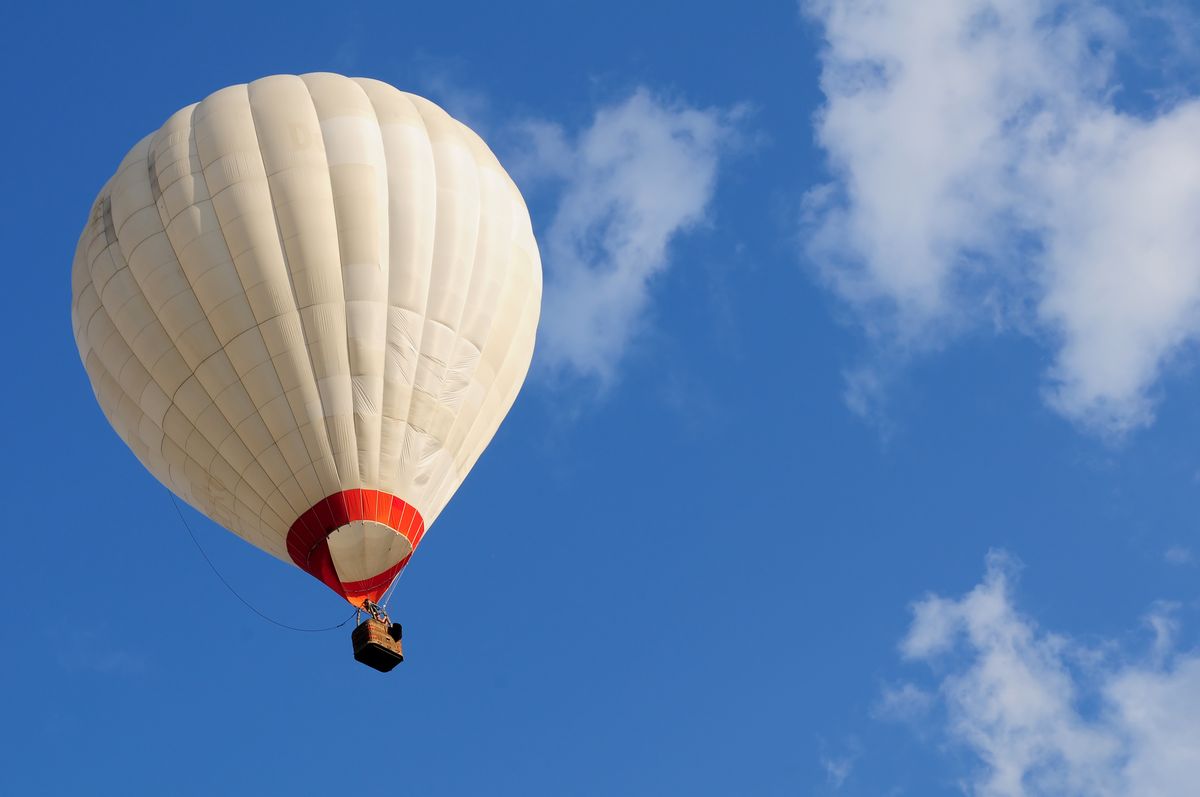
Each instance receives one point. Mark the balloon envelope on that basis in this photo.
(306, 304)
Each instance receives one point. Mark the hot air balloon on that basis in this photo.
(306, 303)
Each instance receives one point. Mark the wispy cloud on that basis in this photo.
(904, 702)
(609, 197)
(92, 650)
(1178, 555)
(837, 769)
(441, 80)
(1046, 715)
(643, 172)
(839, 766)
(984, 172)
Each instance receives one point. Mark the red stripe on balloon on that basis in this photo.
(307, 539)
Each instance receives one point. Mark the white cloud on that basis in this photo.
(905, 703)
(1045, 715)
(983, 171)
(837, 769)
(642, 173)
(839, 765)
(1178, 555)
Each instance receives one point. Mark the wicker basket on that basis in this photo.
(377, 644)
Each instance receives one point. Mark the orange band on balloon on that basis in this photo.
(307, 539)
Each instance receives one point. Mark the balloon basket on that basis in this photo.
(377, 644)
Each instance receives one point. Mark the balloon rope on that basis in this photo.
(229, 586)
(391, 590)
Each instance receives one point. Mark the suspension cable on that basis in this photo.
(236, 594)
(391, 590)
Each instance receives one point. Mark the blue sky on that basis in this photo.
(859, 456)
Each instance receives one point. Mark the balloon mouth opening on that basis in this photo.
(356, 542)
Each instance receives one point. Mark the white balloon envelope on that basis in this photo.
(306, 303)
